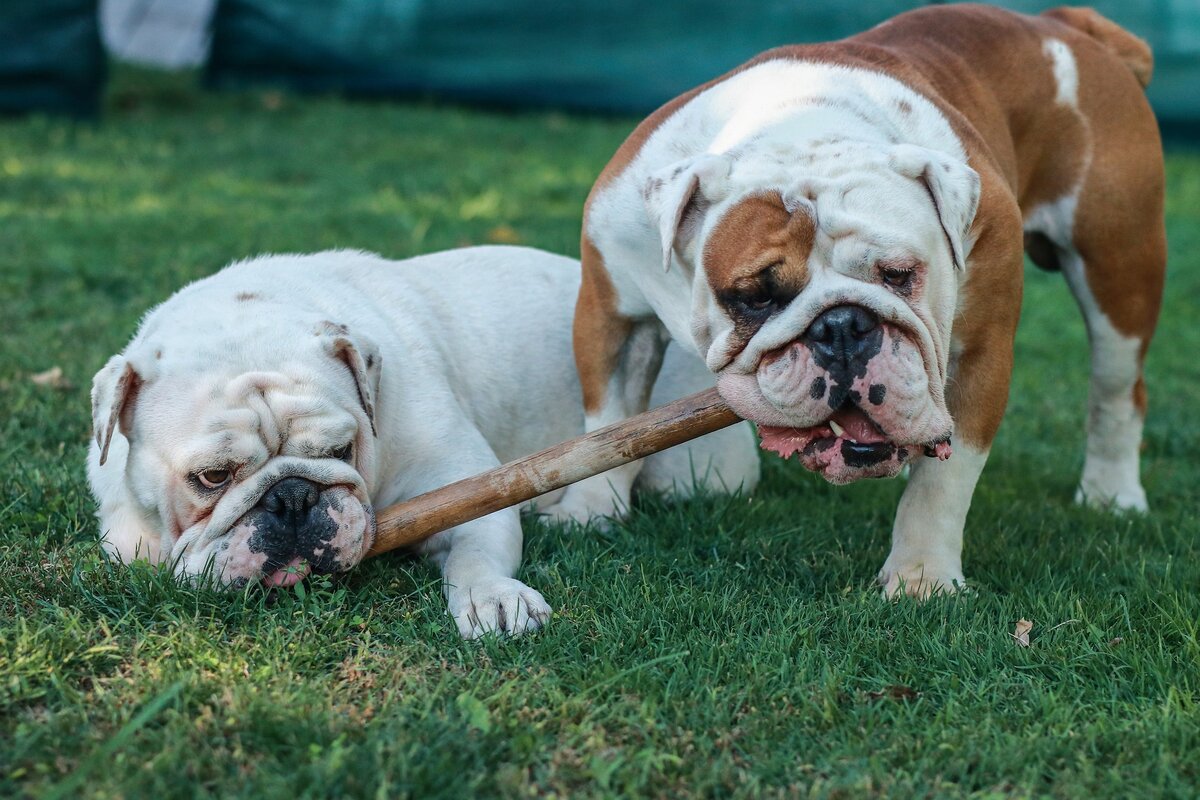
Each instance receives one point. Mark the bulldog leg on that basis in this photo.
(1115, 265)
(618, 360)
(1116, 396)
(479, 559)
(927, 536)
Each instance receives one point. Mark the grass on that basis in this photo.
(728, 647)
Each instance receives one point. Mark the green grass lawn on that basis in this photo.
(727, 647)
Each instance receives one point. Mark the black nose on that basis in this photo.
(291, 499)
(844, 337)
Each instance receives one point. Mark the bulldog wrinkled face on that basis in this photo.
(825, 305)
(257, 476)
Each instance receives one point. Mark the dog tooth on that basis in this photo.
(838, 430)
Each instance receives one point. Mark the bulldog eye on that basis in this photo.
(343, 453)
(756, 300)
(756, 295)
(898, 278)
(214, 478)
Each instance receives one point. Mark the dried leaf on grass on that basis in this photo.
(1021, 632)
(903, 694)
(52, 378)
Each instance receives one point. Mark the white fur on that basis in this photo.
(476, 370)
(927, 536)
(1066, 73)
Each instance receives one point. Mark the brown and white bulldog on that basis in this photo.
(838, 230)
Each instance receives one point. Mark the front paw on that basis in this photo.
(920, 581)
(502, 605)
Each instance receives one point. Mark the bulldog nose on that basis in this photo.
(291, 499)
(842, 335)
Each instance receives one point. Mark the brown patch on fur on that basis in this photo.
(600, 330)
(245, 296)
(757, 248)
(1119, 230)
(754, 234)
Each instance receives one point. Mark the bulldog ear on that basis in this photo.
(677, 197)
(953, 187)
(361, 357)
(114, 395)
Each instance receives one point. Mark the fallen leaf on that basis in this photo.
(1021, 632)
(1116, 641)
(503, 234)
(52, 378)
(902, 693)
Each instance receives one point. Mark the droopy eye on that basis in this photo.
(757, 294)
(343, 453)
(898, 278)
(756, 299)
(214, 478)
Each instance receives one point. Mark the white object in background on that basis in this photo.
(173, 34)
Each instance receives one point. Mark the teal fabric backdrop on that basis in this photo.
(51, 58)
(602, 55)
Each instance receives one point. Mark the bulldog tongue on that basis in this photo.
(849, 425)
(857, 426)
(290, 575)
(784, 441)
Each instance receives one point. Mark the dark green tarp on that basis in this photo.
(605, 55)
(51, 58)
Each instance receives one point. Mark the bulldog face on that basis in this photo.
(244, 473)
(824, 290)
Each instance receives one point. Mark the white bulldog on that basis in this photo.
(259, 415)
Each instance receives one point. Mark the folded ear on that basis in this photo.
(114, 395)
(953, 187)
(678, 196)
(361, 357)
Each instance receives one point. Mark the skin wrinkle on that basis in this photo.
(921, 336)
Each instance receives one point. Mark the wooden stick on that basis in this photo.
(414, 520)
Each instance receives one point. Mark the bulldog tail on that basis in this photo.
(1133, 51)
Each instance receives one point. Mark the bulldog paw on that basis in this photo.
(920, 582)
(1118, 498)
(502, 606)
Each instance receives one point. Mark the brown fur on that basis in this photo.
(599, 331)
(754, 234)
